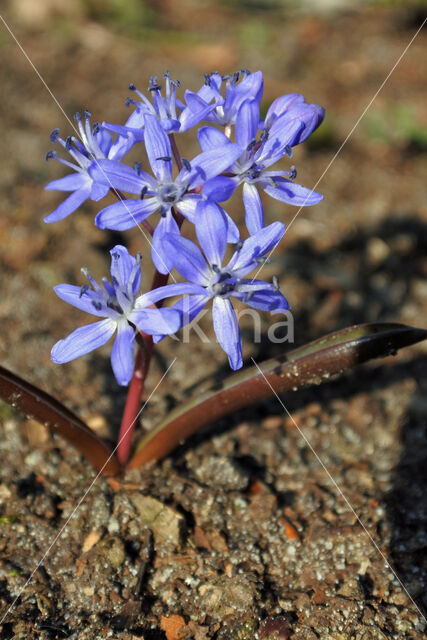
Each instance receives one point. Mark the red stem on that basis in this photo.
(145, 348)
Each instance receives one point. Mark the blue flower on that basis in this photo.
(209, 280)
(163, 108)
(226, 108)
(162, 192)
(118, 304)
(284, 128)
(94, 144)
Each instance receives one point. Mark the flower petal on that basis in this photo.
(168, 291)
(122, 265)
(220, 188)
(281, 105)
(211, 230)
(70, 204)
(123, 353)
(158, 147)
(247, 123)
(257, 246)
(211, 138)
(227, 330)
(72, 182)
(162, 257)
(267, 299)
(253, 208)
(156, 321)
(291, 193)
(187, 258)
(83, 340)
(209, 164)
(125, 214)
(188, 204)
(119, 176)
(79, 298)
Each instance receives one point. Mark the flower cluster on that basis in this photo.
(237, 147)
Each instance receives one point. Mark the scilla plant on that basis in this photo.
(239, 151)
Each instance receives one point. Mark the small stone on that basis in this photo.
(114, 551)
(226, 596)
(221, 471)
(166, 524)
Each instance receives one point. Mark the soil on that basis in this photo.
(240, 533)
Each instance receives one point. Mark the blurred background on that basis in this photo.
(358, 256)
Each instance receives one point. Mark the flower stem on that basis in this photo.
(144, 349)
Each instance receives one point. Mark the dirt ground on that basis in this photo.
(239, 534)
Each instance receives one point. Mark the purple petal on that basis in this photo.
(122, 265)
(210, 163)
(220, 188)
(227, 331)
(187, 258)
(264, 299)
(253, 207)
(156, 321)
(233, 233)
(187, 206)
(78, 298)
(189, 307)
(283, 134)
(83, 340)
(249, 87)
(192, 116)
(123, 353)
(122, 131)
(281, 105)
(291, 193)
(247, 123)
(72, 182)
(69, 205)
(168, 291)
(211, 138)
(162, 257)
(98, 191)
(120, 176)
(257, 246)
(158, 147)
(125, 214)
(211, 230)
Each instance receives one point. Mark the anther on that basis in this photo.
(87, 114)
(68, 142)
(263, 260)
(215, 268)
(251, 145)
(137, 166)
(288, 150)
(132, 87)
(239, 245)
(176, 83)
(207, 80)
(167, 74)
(276, 283)
(162, 212)
(225, 77)
(54, 135)
(116, 255)
(186, 164)
(245, 72)
(50, 154)
(293, 173)
(97, 305)
(77, 116)
(235, 77)
(164, 158)
(83, 290)
(143, 191)
(264, 135)
(96, 127)
(138, 258)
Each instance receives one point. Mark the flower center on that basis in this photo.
(170, 193)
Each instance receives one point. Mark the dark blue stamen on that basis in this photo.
(264, 135)
(288, 150)
(216, 269)
(225, 77)
(50, 154)
(239, 245)
(143, 191)
(164, 158)
(97, 305)
(83, 290)
(207, 80)
(176, 83)
(68, 142)
(116, 255)
(96, 127)
(132, 87)
(251, 145)
(293, 173)
(77, 116)
(167, 74)
(235, 77)
(186, 164)
(54, 135)
(137, 166)
(276, 283)
(87, 114)
(162, 212)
